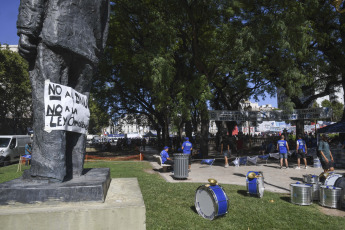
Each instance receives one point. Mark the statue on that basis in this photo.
(62, 41)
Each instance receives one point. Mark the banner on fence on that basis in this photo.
(274, 115)
(65, 109)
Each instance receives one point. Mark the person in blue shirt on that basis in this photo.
(165, 156)
(28, 152)
(301, 150)
(187, 148)
(283, 147)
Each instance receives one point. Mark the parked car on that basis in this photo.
(12, 147)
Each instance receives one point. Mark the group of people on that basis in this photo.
(323, 152)
(187, 148)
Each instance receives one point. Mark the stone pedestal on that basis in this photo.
(123, 208)
(91, 186)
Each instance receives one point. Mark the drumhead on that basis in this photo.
(331, 179)
(205, 203)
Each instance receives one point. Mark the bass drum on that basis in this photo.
(340, 183)
(323, 176)
(255, 184)
(211, 201)
(332, 178)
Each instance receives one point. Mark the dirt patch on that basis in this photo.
(332, 211)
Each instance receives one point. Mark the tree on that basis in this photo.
(15, 91)
(337, 108)
(99, 118)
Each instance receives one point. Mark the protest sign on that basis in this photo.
(65, 109)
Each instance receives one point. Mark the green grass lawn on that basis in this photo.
(171, 205)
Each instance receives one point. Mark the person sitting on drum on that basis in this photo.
(325, 153)
(301, 150)
(165, 157)
(283, 147)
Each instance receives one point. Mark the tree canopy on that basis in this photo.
(172, 61)
(15, 91)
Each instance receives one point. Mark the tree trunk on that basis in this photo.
(218, 134)
(299, 127)
(159, 137)
(230, 126)
(188, 129)
(205, 122)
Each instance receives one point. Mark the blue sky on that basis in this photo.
(8, 32)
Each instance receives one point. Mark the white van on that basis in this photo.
(12, 147)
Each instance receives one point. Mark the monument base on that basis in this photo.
(91, 186)
(123, 208)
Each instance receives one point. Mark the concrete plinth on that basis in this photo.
(91, 186)
(123, 208)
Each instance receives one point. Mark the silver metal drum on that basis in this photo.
(301, 194)
(181, 165)
(310, 179)
(330, 196)
(316, 191)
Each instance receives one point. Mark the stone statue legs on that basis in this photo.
(57, 154)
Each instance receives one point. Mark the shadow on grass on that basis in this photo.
(286, 198)
(297, 179)
(193, 209)
(277, 186)
(242, 192)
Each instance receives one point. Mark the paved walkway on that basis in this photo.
(275, 179)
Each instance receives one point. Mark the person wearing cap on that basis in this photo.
(283, 147)
(165, 156)
(301, 150)
(187, 149)
(325, 153)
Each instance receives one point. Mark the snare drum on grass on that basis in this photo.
(211, 201)
(301, 194)
(255, 184)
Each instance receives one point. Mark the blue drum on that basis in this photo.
(255, 184)
(211, 201)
